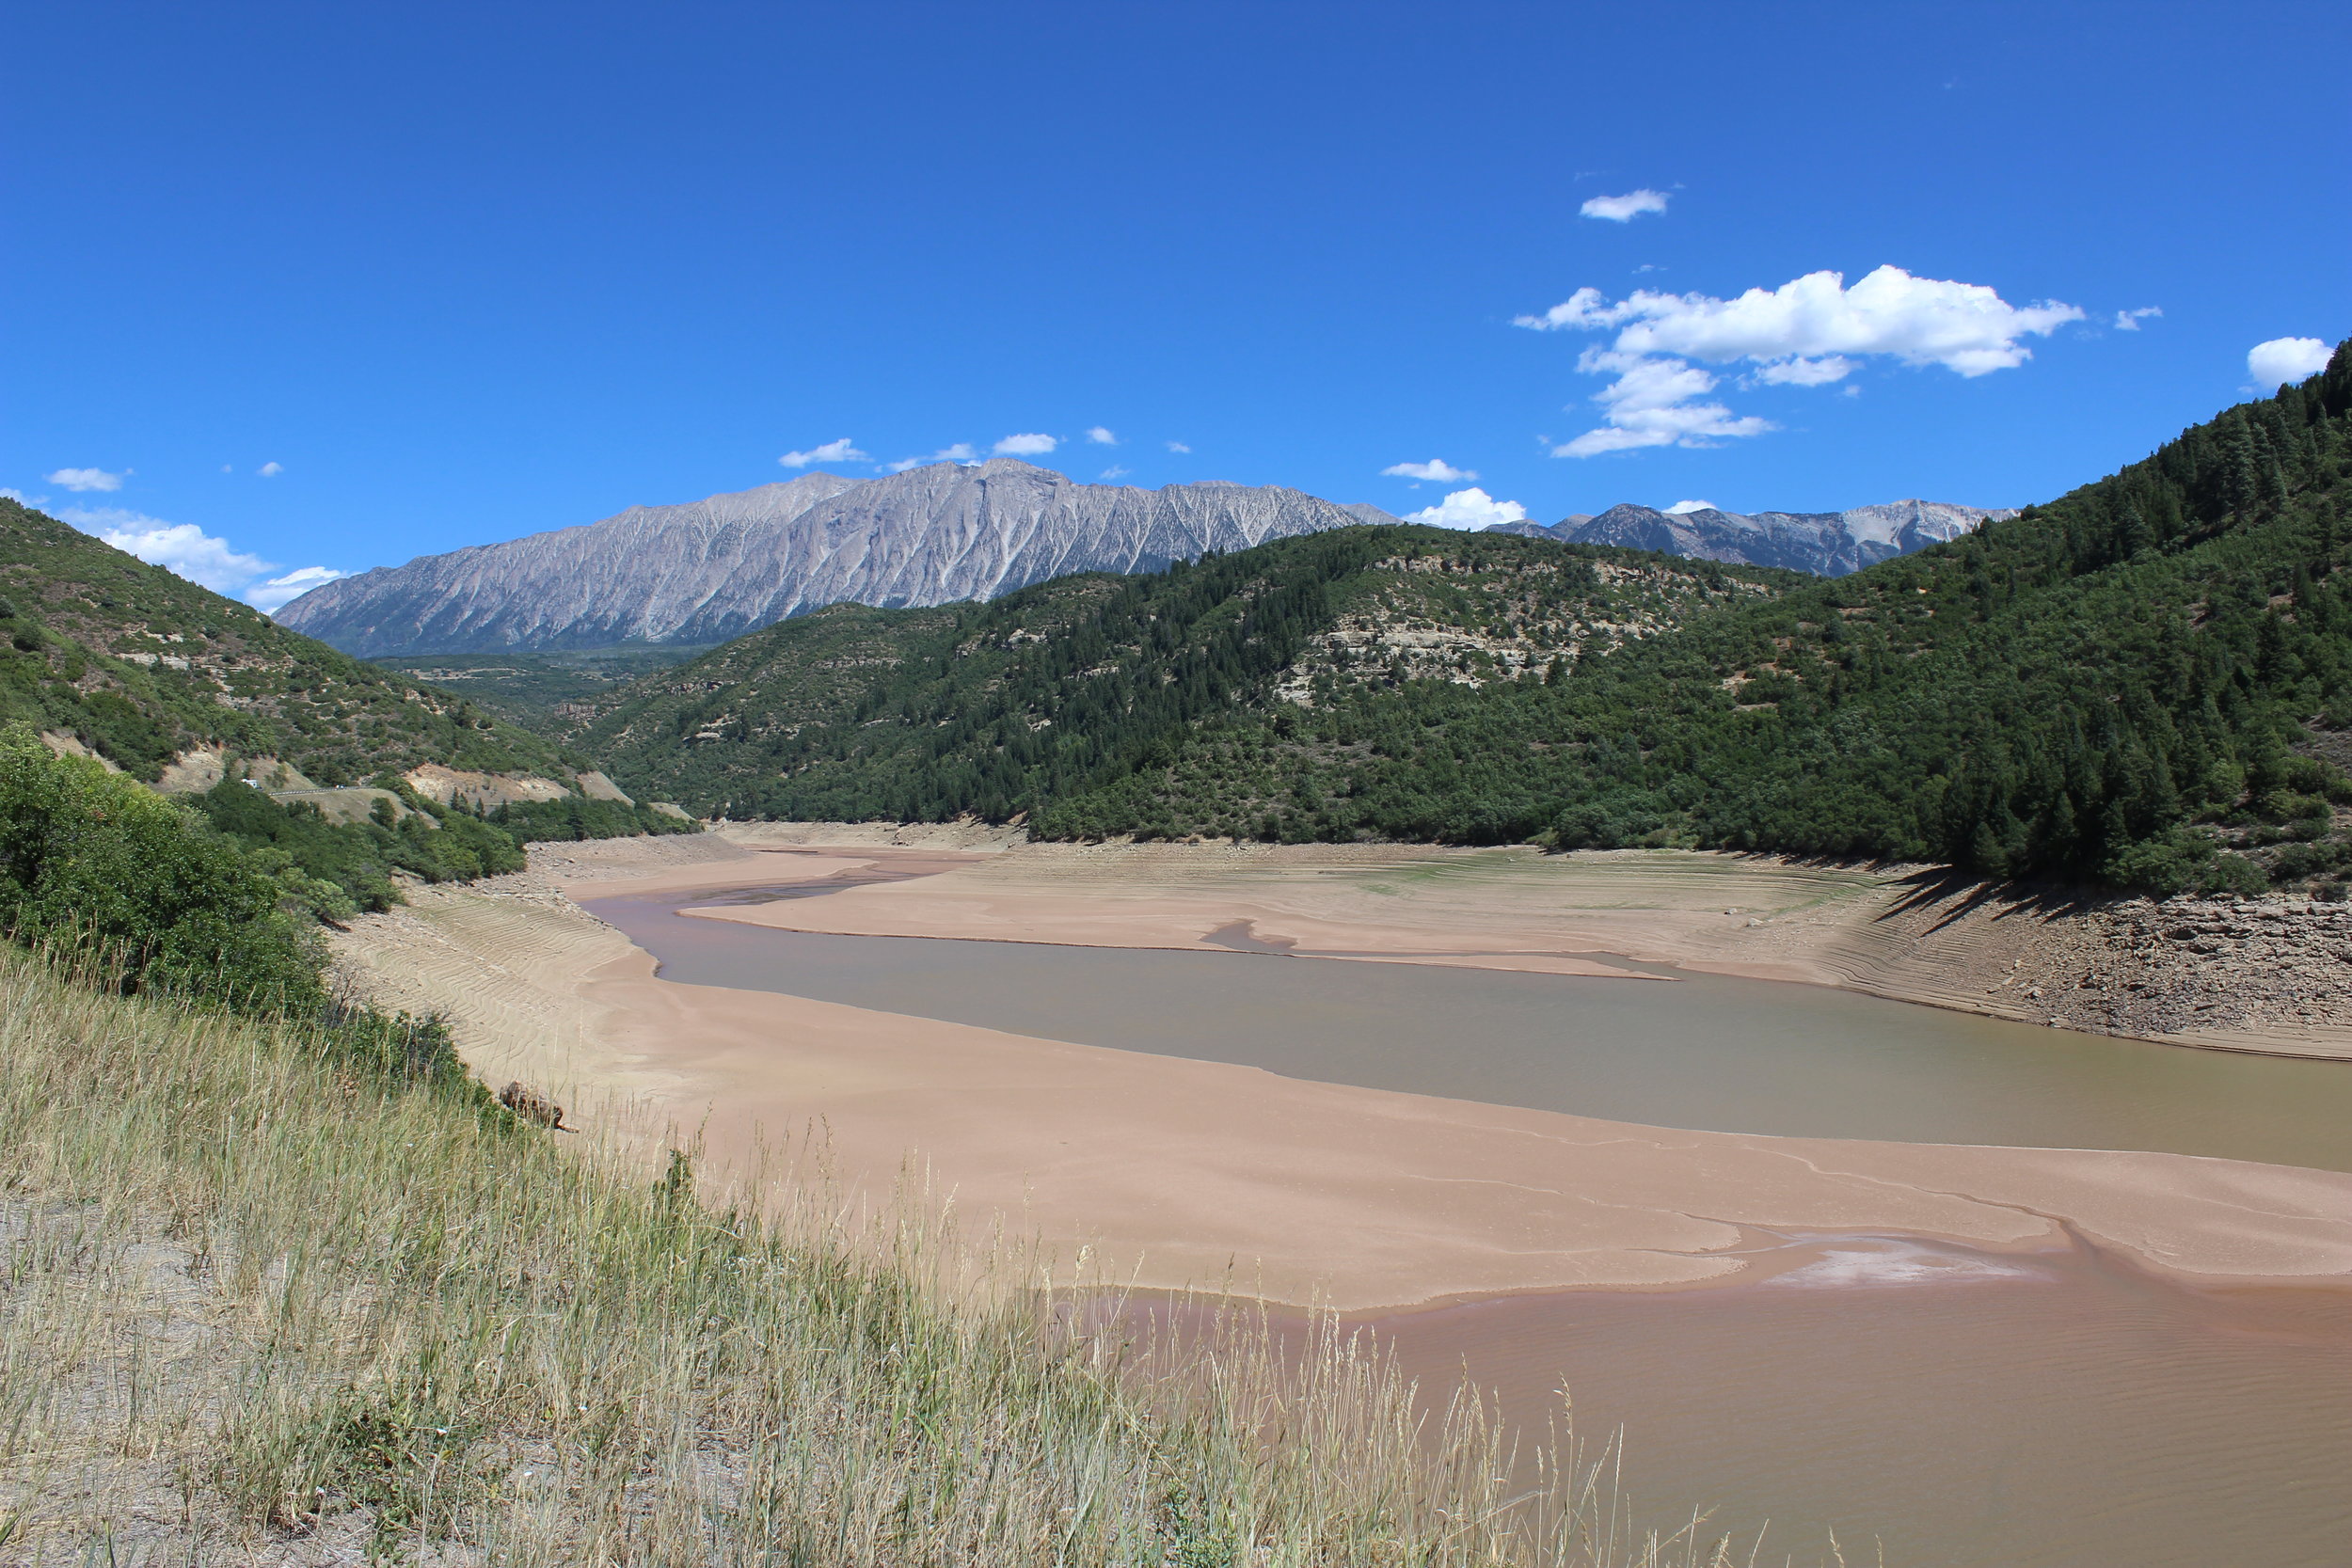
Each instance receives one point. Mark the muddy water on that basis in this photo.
(1699, 1052)
(1966, 1411)
(1950, 1409)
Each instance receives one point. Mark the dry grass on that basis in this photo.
(261, 1306)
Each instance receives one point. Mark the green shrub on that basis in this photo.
(138, 890)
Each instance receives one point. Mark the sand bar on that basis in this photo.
(1194, 1174)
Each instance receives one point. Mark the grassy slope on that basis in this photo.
(1063, 687)
(88, 632)
(263, 1299)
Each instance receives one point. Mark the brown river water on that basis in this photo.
(1954, 1409)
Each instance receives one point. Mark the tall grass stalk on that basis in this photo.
(261, 1301)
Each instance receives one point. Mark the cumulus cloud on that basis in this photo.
(270, 471)
(1806, 372)
(1031, 445)
(961, 452)
(197, 556)
(1436, 469)
(2128, 320)
(1656, 402)
(2271, 364)
(1100, 436)
(1178, 447)
(1809, 332)
(181, 547)
(1114, 471)
(1681, 507)
(1626, 208)
(22, 499)
(86, 478)
(1470, 509)
(843, 450)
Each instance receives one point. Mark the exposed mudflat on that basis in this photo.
(1187, 1173)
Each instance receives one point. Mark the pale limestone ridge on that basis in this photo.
(1827, 543)
(718, 568)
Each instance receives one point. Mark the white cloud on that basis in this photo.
(187, 549)
(2277, 361)
(270, 471)
(22, 499)
(1470, 509)
(182, 547)
(1100, 436)
(1626, 208)
(843, 450)
(1114, 471)
(86, 478)
(1681, 507)
(961, 452)
(1652, 403)
(1031, 445)
(1807, 332)
(2128, 320)
(1178, 447)
(1806, 372)
(1437, 470)
(271, 597)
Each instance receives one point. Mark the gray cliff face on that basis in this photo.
(1827, 543)
(715, 569)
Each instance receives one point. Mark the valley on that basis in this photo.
(1308, 1075)
(1174, 786)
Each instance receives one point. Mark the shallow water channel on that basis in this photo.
(1697, 1050)
(1952, 1409)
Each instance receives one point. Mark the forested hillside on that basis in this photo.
(176, 686)
(2143, 682)
(140, 665)
(1077, 685)
(2111, 687)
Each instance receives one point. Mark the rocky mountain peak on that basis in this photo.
(1828, 543)
(710, 570)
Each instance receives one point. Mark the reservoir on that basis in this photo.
(1694, 1051)
(1944, 1407)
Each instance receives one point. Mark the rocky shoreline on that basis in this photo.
(2189, 965)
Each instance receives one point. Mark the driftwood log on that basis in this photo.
(532, 1106)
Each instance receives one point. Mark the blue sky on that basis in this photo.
(461, 273)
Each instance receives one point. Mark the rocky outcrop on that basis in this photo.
(718, 568)
(446, 787)
(1827, 543)
(196, 770)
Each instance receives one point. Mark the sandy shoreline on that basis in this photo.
(1186, 1175)
(1908, 934)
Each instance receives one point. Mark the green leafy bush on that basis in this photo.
(138, 890)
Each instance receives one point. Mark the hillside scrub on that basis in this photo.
(261, 1297)
(142, 894)
(99, 870)
(1071, 687)
(141, 665)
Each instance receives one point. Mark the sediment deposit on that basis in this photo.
(1180, 1173)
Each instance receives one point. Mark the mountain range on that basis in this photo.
(714, 569)
(1826, 543)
